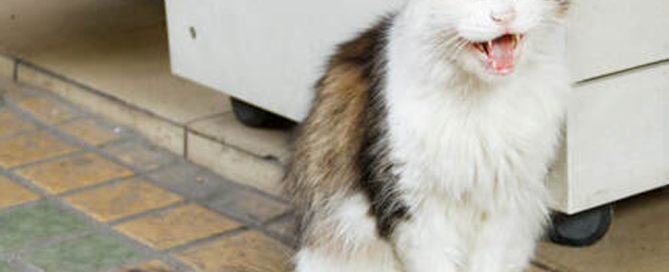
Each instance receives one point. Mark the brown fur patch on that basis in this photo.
(563, 8)
(325, 163)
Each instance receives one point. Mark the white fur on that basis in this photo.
(473, 147)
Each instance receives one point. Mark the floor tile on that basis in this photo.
(90, 132)
(12, 194)
(247, 252)
(37, 223)
(6, 68)
(97, 252)
(194, 182)
(12, 91)
(12, 124)
(4, 267)
(71, 173)
(250, 205)
(152, 266)
(121, 200)
(31, 148)
(285, 228)
(47, 110)
(141, 155)
(637, 241)
(177, 227)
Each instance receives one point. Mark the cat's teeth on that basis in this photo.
(514, 41)
(489, 47)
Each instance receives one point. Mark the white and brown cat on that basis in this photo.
(430, 138)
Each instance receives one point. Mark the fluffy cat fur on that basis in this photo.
(419, 155)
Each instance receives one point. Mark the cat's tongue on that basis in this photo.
(502, 54)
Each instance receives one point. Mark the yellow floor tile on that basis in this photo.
(249, 252)
(71, 173)
(121, 200)
(155, 265)
(10, 124)
(47, 110)
(12, 194)
(177, 227)
(90, 132)
(30, 148)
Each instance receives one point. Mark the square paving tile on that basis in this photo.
(194, 182)
(31, 148)
(123, 199)
(47, 109)
(90, 132)
(96, 252)
(152, 266)
(71, 173)
(286, 228)
(250, 205)
(12, 194)
(248, 252)
(4, 267)
(141, 155)
(12, 124)
(12, 91)
(177, 227)
(37, 223)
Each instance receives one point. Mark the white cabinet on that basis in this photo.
(270, 53)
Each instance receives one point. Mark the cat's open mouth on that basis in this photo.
(500, 54)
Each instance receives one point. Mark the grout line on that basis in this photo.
(185, 151)
(72, 154)
(157, 211)
(15, 70)
(202, 241)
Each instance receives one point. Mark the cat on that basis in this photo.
(429, 140)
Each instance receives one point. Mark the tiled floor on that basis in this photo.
(78, 193)
(112, 57)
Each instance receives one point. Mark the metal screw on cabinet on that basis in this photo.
(193, 33)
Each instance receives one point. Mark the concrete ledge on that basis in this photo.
(235, 164)
(253, 157)
(7, 66)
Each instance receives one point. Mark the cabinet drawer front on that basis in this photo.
(612, 35)
(618, 137)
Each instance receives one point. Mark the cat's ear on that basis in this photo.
(562, 8)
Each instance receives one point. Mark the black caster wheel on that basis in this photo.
(253, 116)
(582, 229)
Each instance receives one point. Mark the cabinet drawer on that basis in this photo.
(617, 142)
(612, 35)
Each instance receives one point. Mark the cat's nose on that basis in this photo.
(503, 17)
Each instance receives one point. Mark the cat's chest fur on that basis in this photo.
(491, 147)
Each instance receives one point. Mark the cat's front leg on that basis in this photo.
(428, 242)
(506, 243)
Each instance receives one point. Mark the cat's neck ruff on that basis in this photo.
(446, 125)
